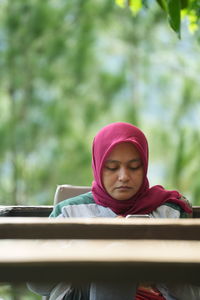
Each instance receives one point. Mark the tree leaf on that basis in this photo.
(184, 4)
(174, 15)
(163, 4)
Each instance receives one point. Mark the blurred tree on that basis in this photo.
(67, 69)
(50, 69)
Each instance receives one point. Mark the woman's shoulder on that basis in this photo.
(171, 210)
(174, 207)
(86, 198)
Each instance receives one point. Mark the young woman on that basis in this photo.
(121, 187)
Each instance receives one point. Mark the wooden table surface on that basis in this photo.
(45, 210)
(94, 228)
(81, 261)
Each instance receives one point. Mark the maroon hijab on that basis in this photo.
(146, 199)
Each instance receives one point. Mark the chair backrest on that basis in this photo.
(66, 191)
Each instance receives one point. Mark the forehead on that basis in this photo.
(122, 151)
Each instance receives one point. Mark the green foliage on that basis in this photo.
(173, 10)
(49, 70)
(174, 15)
(68, 68)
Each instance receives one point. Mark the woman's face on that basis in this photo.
(122, 173)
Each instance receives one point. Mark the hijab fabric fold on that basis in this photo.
(146, 199)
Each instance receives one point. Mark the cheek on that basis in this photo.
(141, 177)
(107, 179)
(104, 178)
(138, 177)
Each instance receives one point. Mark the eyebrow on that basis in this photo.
(117, 161)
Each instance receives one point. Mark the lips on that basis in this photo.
(123, 188)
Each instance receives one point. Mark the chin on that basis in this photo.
(123, 197)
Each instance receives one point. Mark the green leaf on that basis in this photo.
(174, 15)
(184, 4)
(163, 4)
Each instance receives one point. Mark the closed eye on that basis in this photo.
(112, 169)
(135, 168)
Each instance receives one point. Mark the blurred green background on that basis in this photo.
(67, 68)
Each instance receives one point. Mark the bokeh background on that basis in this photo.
(67, 68)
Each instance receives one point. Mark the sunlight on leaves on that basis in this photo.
(121, 3)
(193, 22)
(135, 6)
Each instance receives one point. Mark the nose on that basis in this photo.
(123, 175)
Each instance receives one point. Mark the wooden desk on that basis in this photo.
(45, 228)
(81, 261)
(45, 210)
(196, 211)
(25, 211)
